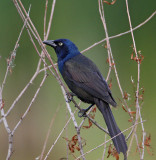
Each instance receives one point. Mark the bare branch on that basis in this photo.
(109, 140)
(32, 101)
(57, 75)
(47, 155)
(120, 34)
(138, 112)
(45, 16)
(21, 94)
(51, 18)
(6, 127)
(13, 54)
(104, 151)
(110, 54)
(48, 133)
(74, 121)
(77, 106)
(101, 10)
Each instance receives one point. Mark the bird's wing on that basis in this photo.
(84, 73)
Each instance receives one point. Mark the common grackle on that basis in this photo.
(86, 82)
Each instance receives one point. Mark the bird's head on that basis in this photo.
(64, 48)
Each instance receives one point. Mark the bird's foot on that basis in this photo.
(70, 96)
(82, 113)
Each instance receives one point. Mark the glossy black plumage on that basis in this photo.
(85, 80)
(81, 73)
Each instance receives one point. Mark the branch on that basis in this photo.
(48, 133)
(6, 126)
(51, 18)
(45, 16)
(138, 112)
(109, 50)
(110, 54)
(109, 140)
(58, 137)
(104, 151)
(120, 34)
(13, 54)
(32, 101)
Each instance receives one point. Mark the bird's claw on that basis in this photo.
(82, 113)
(70, 97)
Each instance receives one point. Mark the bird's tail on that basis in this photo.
(119, 141)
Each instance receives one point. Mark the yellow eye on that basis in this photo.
(60, 43)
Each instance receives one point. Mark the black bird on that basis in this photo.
(86, 82)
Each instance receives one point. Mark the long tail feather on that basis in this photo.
(119, 141)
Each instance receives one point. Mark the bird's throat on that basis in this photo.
(65, 59)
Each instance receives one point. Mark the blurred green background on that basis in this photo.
(80, 22)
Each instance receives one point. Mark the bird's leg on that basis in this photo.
(82, 112)
(70, 96)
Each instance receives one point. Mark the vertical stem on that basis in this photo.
(138, 112)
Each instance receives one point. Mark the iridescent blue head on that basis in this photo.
(64, 48)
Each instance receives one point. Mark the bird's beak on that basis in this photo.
(50, 43)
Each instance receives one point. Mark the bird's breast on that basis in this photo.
(78, 90)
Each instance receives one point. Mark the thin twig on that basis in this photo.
(13, 54)
(49, 130)
(39, 41)
(74, 122)
(45, 16)
(21, 94)
(6, 127)
(57, 75)
(111, 54)
(32, 101)
(101, 11)
(104, 151)
(82, 122)
(51, 18)
(47, 155)
(67, 147)
(23, 18)
(120, 34)
(138, 112)
(109, 140)
(101, 128)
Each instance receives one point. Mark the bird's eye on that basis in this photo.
(60, 43)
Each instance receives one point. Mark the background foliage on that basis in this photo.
(80, 22)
